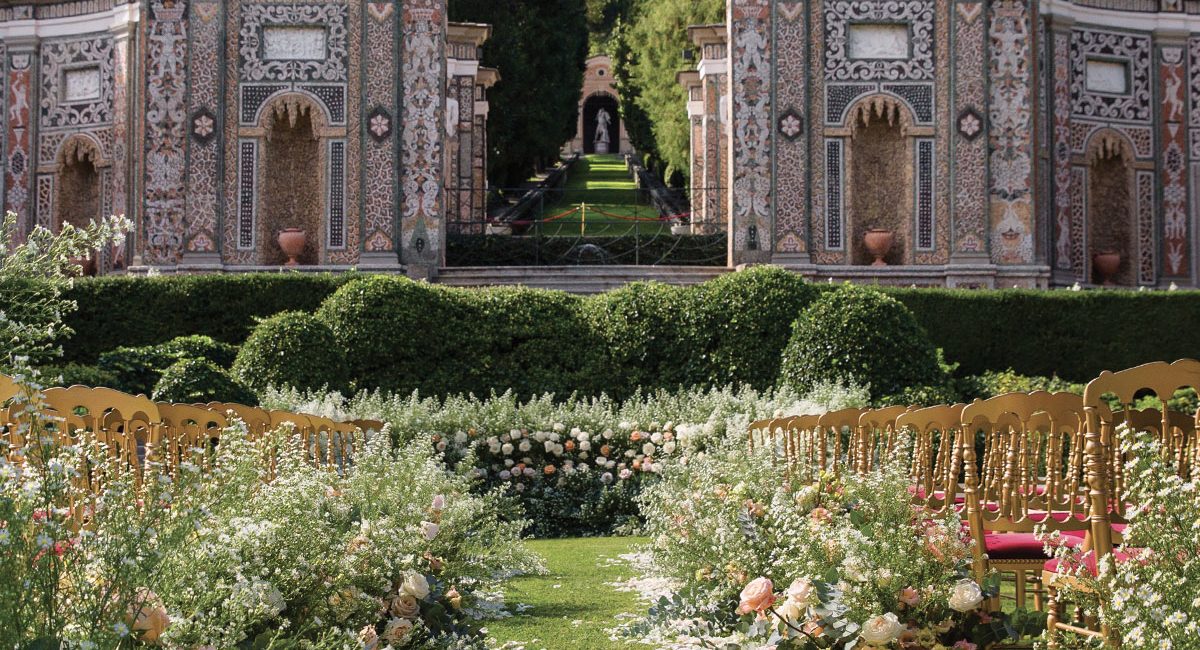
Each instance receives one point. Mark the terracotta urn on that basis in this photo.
(1107, 263)
(291, 241)
(879, 243)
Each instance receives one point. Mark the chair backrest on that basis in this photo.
(189, 430)
(935, 456)
(876, 437)
(836, 430)
(128, 425)
(257, 420)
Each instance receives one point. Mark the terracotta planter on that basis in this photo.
(879, 243)
(291, 241)
(1107, 264)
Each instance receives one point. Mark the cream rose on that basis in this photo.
(802, 592)
(439, 503)
(404, 606)
(757, 596)
(882, 629)
(430, 530)
(415, 585)
(396, 631)
(966, 596)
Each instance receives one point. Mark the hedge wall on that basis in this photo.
(731, 329)
(136, 311)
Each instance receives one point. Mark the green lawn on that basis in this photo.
(572, 607)
(604, 185)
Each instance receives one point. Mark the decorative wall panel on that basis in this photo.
(791, 150)
(833, 194)
(1011, 132)
(1078, 188)
(1064, 250)
(1132, 50)
(165, 131)
(970, 149)
(256, 66)
(1145, 231)
(751, 73)
(336, 203)
(925, 208)
(379, 156)
(422, 83)
(204, 101)
(247, 193)
(1173, 164)
(916, 15)
(18, 145)
(70, 100)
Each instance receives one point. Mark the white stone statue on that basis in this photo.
(452, 116)
(602, 121)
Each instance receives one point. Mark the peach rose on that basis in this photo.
(802, 592)
(151, 619)
(910, 596)
(404, 606)
(397, 630)
(757, 596)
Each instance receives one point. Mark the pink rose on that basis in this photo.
(964, 645)
(821, 515)
(910, 596)
(757, 596)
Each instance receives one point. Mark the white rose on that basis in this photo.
(430, 530)
(966, 596)
(508, 462)
(601, 460)
(606, 478)
(802, 592)
(648, 449)
(656, 438)
(575, 431)
(549, 446)
(559, 427)
(505, 475)
(585, 436)
(669, 448)
(460, 437)
(791, 612)
(608, 434)
(584, 445)
(881, 630)
(495, 447)
(524, 446)
(415, 585)
(629, 453)
(515, 434)
(507, 448)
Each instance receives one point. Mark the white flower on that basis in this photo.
(549, 447)
(507, 449)
(430, 530)
(584, 445)
(656, 438)
(601, 460)
(802, 592)
(505, 475)
(439, 502)
(606, 478)
(669, 448)
(966, 596)
(460, 437)
(648, 449)
(882, 629)
(415, 585)
(625, 473)
(524, 446)
(529, 472)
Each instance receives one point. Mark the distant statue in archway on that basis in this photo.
(603, 119)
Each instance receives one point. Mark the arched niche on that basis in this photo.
(1111, 204)
(293, 177)
(78, 183)
(880, 177)
(591, 109)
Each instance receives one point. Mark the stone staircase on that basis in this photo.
(575, 279)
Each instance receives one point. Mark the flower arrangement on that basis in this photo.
(764, 559)
(253, 547)
(1150, 599)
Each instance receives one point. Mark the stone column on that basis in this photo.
(486, 78)
(690, 81)
(712, 42)
(791, 124)
(1066, 245)
(422, 104)
(750, 59)
(20, 97)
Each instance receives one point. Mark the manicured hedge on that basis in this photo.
(137, 311)
(404, 335)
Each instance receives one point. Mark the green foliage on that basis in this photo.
(137, 369)
(539, 46)
(294, 349)
(75, 374)
(35, 276)
(192, 381)
(991, 384)
(656, 38)
(120, 311)
(861, 335)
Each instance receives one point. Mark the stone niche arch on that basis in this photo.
(1111, 203)
(78, 186)
(294, 177)
(591, 108)
(880, 176)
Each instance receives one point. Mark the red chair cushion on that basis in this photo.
(1020, 546)
(1117, 528)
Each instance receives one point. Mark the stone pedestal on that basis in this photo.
(601, 147)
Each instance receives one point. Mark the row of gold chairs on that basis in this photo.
(134, 429)
(1011, 465)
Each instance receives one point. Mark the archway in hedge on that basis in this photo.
(591, 109)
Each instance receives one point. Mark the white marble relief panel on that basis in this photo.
(81, 84)
(877, 41)
(293, 43)
(1107, 76)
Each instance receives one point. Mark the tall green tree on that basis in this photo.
(657, 37)
(540, 48)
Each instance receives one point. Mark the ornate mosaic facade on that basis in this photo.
(1002, 142)
(216, 124)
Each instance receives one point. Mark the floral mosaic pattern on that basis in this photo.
(204, 71)
(59, 57)
(839, 66)
(331, 16)
(1173, 164)
(379, 196)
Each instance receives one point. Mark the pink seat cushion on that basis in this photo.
(1088, 560)
(1117, 528)
(1019, 546)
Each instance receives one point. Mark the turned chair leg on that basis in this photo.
(1052, 615)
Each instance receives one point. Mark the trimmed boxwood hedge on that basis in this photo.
(295, 349)
(436, 339)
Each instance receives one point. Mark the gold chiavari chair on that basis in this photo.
(876, 437)
(191, 433)
(1028, 478)
(1105, 464)
(936, 456)
(835, 431)
(257, 421)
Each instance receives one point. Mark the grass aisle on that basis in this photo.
(572, 607)
(605, 185)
